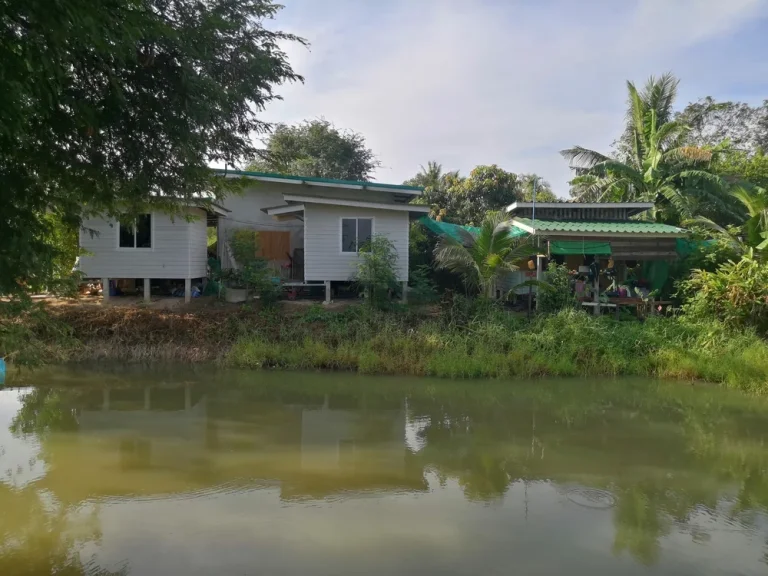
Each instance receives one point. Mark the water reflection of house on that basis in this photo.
(170, 440)
(170, 434)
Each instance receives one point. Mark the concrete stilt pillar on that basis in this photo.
(147, 294)
(187, 290)
(327, 291)
(405, 291)
(105, 289)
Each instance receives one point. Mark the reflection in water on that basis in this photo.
(233, 472)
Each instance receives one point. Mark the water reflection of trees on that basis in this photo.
(664, 451)
(39, 536)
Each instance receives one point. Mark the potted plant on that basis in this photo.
(235, 285)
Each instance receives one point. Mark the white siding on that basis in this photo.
(323, 258)
(178, 249)
(246, 209)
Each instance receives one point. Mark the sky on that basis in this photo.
(508, 82)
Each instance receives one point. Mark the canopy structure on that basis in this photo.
(455, 230)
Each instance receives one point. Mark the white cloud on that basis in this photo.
(467, 83)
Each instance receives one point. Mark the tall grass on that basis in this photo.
(493, 344)
(460, 340)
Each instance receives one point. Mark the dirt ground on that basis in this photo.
(173, 303)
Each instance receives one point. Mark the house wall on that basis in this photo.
(323, 258)
(178, 249)
(246, 212)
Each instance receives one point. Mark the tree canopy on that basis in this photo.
(316, 148)
(467, 200)
(107, 104)
(745, 127)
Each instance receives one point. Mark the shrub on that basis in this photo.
(556, 294)
(376, 270)
(735, 293)
(253, 272)
(421, 288)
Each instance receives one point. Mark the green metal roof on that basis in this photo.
(310, 179)
(578, 226)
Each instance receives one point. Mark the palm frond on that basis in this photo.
(705, 223)
(659, 94)
(620, 170)
(678, 201)
(451, 255)
(668, 134)
(579, 157)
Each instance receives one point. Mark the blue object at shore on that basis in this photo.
(2, 371)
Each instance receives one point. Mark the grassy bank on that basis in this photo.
(457, 341)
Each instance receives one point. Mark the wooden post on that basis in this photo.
(327, 292)
(187, 290)
(105, 289)
(147, 294)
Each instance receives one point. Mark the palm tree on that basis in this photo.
(753, 233)
(653, 164)
(481, 259)
(429, 177)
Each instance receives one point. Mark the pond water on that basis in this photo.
(181, 471)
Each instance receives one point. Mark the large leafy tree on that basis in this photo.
(106, 103)
(712, 122)
(316, 148)
(481, 259)
(466, 200)
(653, 163)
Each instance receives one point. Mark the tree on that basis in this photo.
(712, 122)
(465, 200)
(654, 163)
(543, 189)
(316, 148)
(106, 104)
(480, 260)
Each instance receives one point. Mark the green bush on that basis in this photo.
(556, 295)
(253, 272)
(736, 293)
(376, 273)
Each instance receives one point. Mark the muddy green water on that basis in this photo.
(225, 472)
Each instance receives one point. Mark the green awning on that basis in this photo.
(569, 247)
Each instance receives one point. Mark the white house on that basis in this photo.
(310, 228)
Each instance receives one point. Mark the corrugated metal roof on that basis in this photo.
(578, 226)
(269, 176)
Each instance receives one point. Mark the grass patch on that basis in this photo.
(458, 341)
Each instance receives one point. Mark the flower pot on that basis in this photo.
(235, 295)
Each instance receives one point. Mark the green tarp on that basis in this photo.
(570, 247)
(453, 230)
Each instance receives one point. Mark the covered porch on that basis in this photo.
(612, 263)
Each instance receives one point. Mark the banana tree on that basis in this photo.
(654, 163)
